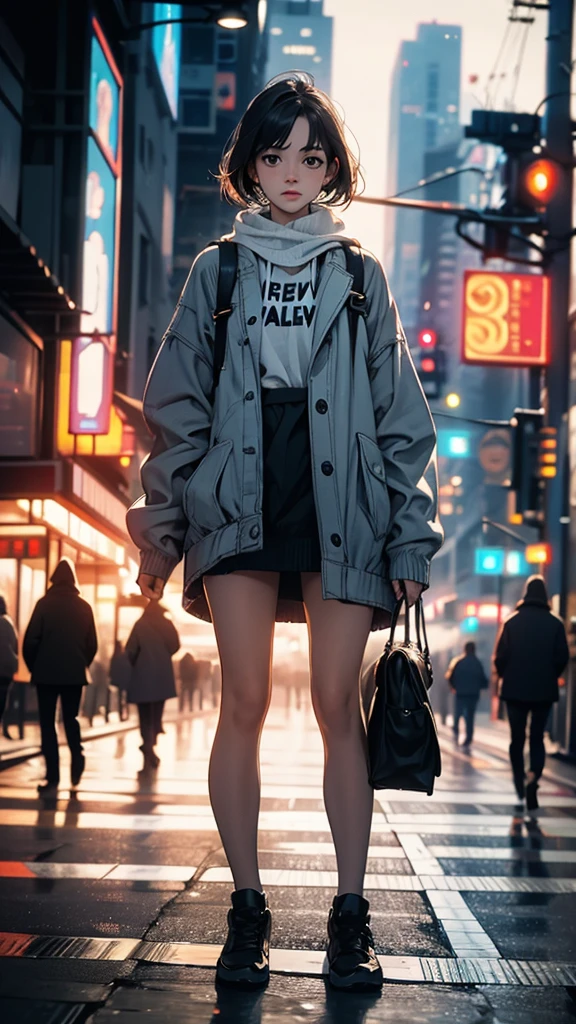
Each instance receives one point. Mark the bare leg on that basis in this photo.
(338, 634)
(243, 608)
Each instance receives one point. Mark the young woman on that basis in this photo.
(295, 494)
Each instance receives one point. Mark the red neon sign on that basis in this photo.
(506, 319)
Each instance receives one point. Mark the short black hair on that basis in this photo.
(470, 647)
(268, 121)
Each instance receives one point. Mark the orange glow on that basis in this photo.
(471, 609)
(86, 444)
(541, 179)
(539, 554)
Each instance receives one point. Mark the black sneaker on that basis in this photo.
(351, 957)
(244, 958)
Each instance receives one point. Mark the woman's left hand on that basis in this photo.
(413, 590)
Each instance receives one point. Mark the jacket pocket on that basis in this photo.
(375, 488)
(208, 496)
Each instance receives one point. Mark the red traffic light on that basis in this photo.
(427, 338)
(540, 181)
(428, 365)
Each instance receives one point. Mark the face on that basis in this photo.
(291, 177)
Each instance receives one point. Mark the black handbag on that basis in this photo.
(403, 748)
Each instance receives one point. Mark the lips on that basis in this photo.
(291, 194)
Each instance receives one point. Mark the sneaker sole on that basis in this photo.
(353, 983)
(242, 977)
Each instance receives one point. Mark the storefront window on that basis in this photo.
(19, 360)
(32, 588)
(9, 584)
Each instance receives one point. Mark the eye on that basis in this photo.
(271, 159)
(313, 161)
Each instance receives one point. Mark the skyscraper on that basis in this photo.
(424, 115)
(300, 37)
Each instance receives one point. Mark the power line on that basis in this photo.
(518, 67)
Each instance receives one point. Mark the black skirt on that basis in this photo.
(291, 544)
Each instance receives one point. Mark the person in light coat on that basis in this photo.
(298, 486)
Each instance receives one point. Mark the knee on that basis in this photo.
(337, 710)
(244, 709)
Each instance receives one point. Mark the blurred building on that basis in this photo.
(300, 36)
(221, 71)
(424, 115)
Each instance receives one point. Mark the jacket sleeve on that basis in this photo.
(501, 652)
(33, 637)
(561, 650)
(406, 436)
(91, 642)
(178, 412)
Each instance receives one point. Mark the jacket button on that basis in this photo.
(246, 341)
(336, 540)
(254, 532)
(321, 406)
(377, 468)
(249, 396)
(252, 321)
(327, 468)
(249, 451)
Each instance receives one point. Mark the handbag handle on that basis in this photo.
(420, 624)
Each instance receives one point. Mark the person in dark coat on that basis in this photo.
(59, 645)
(189, 682)
(530, 656)
(467, 678)
(119, 674)
(8, 659)
(150, 647)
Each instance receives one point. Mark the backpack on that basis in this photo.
(228, 272)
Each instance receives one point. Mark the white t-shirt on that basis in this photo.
(288, 311)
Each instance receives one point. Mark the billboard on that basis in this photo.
(98, 272)
(91, 385)
(104, 104)
(166, 47)
(505, 319)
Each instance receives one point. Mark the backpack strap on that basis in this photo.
(356, 299)
(227, 273)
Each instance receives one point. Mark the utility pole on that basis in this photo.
(558, 135)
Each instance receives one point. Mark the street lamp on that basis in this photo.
(233, 18)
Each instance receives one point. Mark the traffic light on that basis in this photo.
(432, 362)
(526, 425)
(538, 181)
(534, 459)
(547, 453)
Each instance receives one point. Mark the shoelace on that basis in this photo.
(354, 932)
(247, 925)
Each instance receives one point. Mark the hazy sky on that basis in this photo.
(367, 34)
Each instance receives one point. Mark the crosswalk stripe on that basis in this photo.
(124, 872)
(295, 962)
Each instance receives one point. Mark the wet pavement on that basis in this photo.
(113, 901)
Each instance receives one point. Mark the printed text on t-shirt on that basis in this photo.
(283, 305)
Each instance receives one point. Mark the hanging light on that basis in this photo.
(233, 18)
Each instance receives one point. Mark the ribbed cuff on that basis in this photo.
(156, 563)
(409, 565)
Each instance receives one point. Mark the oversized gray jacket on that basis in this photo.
(371, 434)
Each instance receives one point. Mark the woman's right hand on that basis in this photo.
(151, 586)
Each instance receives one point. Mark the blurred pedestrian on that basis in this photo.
(188, 672)
(467, 678)
(8, 660)
(530, 655)
(149, 648)
(119, 673)
(59, 645)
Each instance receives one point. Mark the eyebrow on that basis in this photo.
(304, 149)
